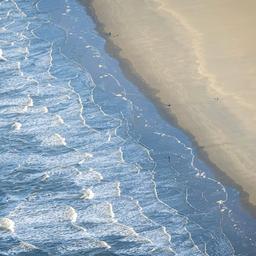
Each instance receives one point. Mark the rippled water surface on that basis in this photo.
(87, 165)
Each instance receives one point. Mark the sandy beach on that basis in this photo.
(199, 58)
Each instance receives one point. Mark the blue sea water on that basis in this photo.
(87, 164)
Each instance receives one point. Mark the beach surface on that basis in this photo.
(198, 61)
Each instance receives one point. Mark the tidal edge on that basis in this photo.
(132, 75)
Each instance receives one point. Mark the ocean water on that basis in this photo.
(87, 164)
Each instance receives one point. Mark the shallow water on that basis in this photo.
(88, 166)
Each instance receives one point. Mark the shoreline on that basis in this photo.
(134, 76)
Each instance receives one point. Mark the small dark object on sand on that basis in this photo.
(108, 34)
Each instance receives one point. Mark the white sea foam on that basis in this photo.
(25, 109)
(18, 8)
(90, 175)
(118, 188)
(109, 136)
(59, 139)
(104, 244)
(30, 102)
(16, 126)
(99, 213)
(7, 225)
(70, 214)
(45, 177)
(45, 110)
(87, 194)
(121, 154)
(111, 212)
(68, 10)
(200, 174)
(3, 29)
(27, 246)
(86, 157)
(54, 140)
(220, 202)
(103, 76)
(2, 58)
(26, 51)
(59, 119)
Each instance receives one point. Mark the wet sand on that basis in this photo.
(198, 60)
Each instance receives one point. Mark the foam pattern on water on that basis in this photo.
(74, 180)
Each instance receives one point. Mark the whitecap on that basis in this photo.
(7, 225)
(27, 246)
(25, 109)
(55, 140)
(107, 190)
(99, 213)
(59, 140)
(121, 154)
(220, 202)
(103, 76)
(3, 29)
(30, 102)
(118, 188)
(45, 110)
(70, 214)
(2, 58)
(90, 175)
(16, 126)
(111, 212)
(104, 245)
(201, 174)
(59, 119)
(87, 194)
(87, 156)
(45, 177)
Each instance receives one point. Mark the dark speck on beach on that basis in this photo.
(108, 34)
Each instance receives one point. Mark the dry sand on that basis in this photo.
(199, 56)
